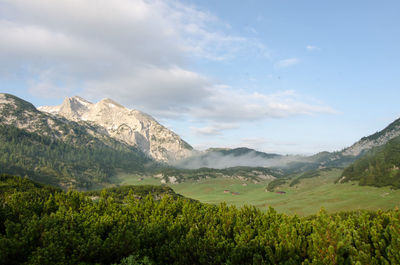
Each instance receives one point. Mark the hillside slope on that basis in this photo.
(377, 139)
(348, 155)
(378, 167)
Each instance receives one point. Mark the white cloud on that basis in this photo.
(207, 131)
(99, 41)
(178, 93)
(312, 48)
(159, 32)
(137, 52)
(44, 87)
(165, 92)
(251, 30)
(287, 62)
(214, 129)
(228, 105)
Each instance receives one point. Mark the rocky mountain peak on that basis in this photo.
(110, 103)
(23, 115)
(76, 100)
(130, 126)
(74, 107)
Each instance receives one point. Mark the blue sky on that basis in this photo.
(277, 76)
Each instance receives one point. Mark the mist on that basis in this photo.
(251, 159)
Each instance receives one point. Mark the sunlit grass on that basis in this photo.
(305, 198)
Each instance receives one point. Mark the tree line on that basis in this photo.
(65, 163)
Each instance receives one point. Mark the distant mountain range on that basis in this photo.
(79, 143)
(225, 157)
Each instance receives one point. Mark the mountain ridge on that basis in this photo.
(379, 167)
(52, 149)
(377, 139)
(130, 126)
(108, 119)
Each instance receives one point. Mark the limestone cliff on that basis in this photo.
(130, 126)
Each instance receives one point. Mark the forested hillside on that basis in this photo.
(65, 163)
(379, 167)
(44, 225)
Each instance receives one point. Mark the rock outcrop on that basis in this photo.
(130, 126)
(374, 140)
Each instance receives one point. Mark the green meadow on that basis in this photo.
(305, 198)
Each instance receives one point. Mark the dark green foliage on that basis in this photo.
(43, 225)
(294, 182)
(275, 183)
(240, 152)
(309, 174)
(136, 260)
(379, 167)
(323, 159)
(65, 163)
(140, 191)
(194, 174)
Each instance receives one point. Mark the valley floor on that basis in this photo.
(305, 198)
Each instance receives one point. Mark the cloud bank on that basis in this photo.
(139, 53)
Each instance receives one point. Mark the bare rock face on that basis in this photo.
(130, 126)
(23, 115)
(374, 140)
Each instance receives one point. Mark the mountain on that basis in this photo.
(80, 144)
(54, 150)
(219, 158)
(130, 126)
(374, 140)
(23, 115)
(290, 164)
(379, 167)
(348, 155)
(240, 151)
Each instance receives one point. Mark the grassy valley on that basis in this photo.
(306, 197)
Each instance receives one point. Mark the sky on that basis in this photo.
(287, 77)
